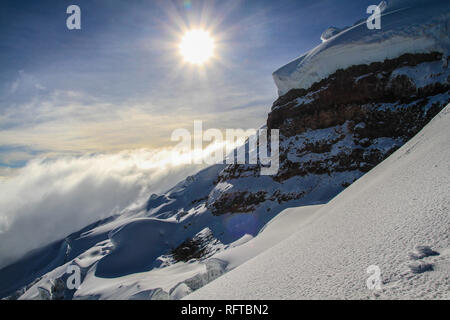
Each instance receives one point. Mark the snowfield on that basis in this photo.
(177, 280)
(396, 217)
(414, 26)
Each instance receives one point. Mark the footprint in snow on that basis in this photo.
(422, 252)
(421, 267)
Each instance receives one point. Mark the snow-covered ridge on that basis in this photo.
(396, 217)
(406, 27)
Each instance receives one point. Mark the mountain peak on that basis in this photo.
(406, 27)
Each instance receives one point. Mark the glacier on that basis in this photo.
(413, 26)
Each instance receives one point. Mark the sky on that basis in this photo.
(120, 83)
(86, 115)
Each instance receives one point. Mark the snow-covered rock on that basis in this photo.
(413, 26)
(395, 218)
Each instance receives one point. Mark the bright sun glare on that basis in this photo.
(197, 46)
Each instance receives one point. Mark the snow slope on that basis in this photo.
(174, 281)
(390, 218)
(414, 26)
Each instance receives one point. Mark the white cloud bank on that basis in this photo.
(48, 199)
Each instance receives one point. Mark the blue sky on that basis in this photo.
(119, 83)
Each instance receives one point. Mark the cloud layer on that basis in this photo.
(48, 199)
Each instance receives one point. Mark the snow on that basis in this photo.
(406, 27)
(423, 74)
(126, 256)
(329, 33)
(177, 280)
(286, 223)
(396, 217)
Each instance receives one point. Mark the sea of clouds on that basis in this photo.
(48, 199)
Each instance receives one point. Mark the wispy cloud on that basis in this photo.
(53, 122)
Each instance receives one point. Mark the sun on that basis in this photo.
(197, 46)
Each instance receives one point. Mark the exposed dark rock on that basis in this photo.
(340, 97)
(201, 246)
(237, 202)
(353, 102)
